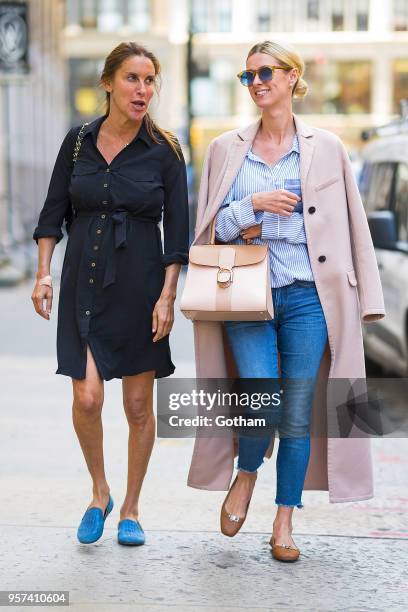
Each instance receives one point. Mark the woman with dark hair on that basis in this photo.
(114, 178)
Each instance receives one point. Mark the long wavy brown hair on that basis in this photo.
(113, 62)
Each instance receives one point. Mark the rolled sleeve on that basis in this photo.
(57, 205)
(277, 227)
(175, 212)
(235, 216)
(47, 231)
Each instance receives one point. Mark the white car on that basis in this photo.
(384, 188)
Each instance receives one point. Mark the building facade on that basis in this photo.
(356, 54)
(33, 114)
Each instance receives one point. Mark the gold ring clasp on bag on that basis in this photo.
(224, 277)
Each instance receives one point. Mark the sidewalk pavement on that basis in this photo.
(352, 554)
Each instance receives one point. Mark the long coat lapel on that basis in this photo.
(306, 147)
(236, 155)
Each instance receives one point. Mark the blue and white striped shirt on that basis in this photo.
(285, 236)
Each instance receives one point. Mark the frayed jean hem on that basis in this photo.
(300, 505)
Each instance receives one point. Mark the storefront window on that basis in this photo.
(337, 87)
(400, 70)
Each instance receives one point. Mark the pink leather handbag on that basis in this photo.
(227, 282)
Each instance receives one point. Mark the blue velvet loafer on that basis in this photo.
(130, 533)
(91, 526)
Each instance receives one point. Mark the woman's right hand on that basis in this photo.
(281, 202)
(42, 294)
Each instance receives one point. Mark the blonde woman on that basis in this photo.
(116, 303)
(281, 183)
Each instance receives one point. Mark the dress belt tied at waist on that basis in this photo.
(119, 220)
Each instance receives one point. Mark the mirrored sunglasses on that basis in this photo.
(265, 73)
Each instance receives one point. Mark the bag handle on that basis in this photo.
(212, 230)
(212, 233)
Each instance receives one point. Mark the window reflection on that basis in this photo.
(379, 186)
(109, 15)
(213, 88)
(212, 15)
(362, 15)
(401, 201)
(337, 15)
(87, 99)
(400, 15)
(139, 15)
(88, 12)
(312, 15)
(400, 70)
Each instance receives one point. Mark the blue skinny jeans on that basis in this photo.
(298, 332)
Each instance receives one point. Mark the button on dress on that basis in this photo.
(114, 264)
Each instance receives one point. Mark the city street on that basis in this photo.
(353, 554)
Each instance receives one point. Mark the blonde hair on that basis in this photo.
(113, 62)
(287, 56)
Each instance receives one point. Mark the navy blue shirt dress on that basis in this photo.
(114, 264)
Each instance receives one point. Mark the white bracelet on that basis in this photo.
(46, 280)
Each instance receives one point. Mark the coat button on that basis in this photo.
(87, 312)
(98, 231)
(311, 209)
(103, 216)
(322, 258)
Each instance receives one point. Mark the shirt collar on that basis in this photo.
(294, 148)
(94, 126)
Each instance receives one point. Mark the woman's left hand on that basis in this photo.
(252, 232)
(162, 318)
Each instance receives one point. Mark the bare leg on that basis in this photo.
(86, 416)
(138, 405)
(282, 526)
(241, 493)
